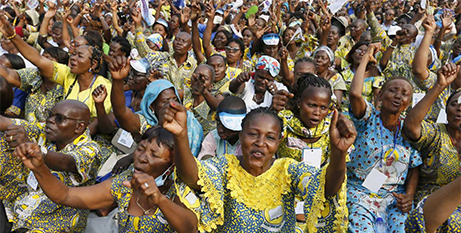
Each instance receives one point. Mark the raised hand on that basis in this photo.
(144, 185)
(447, 19)
(30, 155)
(174, 118)
(5, 27)
(447, 74)
(120, 68)
(429, 24)
(284, 52)
(271, 87)
(195, 12)
(342, 133)
(371, 52)
(260, 33)
(137, 18)
(185, 15)
(210, 11)
(280, 100)
(243, 77)
(326, 23)
(99, 94)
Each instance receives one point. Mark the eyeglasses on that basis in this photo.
(232, 50)
(58, 117)
(359, 51)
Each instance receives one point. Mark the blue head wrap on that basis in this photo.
(152, 92)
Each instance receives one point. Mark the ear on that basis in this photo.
(380, 94)
(80, 128)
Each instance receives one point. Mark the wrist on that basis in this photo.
(161, 200)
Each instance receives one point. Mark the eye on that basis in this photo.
(324, 108)
(271, 138)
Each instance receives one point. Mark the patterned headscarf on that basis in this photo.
(330, 53)
(268, 63)
(157, 39)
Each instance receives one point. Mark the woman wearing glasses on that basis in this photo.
(307, 138)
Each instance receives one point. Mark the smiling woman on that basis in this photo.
(254, 191)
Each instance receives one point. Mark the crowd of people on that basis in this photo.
(230, 115)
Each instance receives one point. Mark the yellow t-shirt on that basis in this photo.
(65, 78)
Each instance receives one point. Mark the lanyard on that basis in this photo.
(382, 138)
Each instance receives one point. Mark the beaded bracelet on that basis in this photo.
(12, 36)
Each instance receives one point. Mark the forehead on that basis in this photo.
(184, 36)
(167, 94)
(399, 83)
(83, 49)
(305, 67)
(81, 40)
(233, 44)
(316, 93)
(321, 53)
(263, 74)
(264, 123)
(455, 98)
(362, 47)
(215, 60)
(203, 70)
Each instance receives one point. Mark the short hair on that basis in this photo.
(263, 111)
(213, 74)
(305, 59)
(232, 104)
(59, 54)
(217, 55)
(163, 136)
(15, 60)
(124, 43)
(6, 95)
(96, 37)
(396, 78)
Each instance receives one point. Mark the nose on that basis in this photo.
(260, 141)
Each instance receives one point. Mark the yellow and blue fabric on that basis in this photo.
(36, 101)
(202, 112)
(440, 159)
(269, 64)
(63, 76)
(128, 223)
(378, 148)
(232, 200)
(33, 210)
(148, 118)
(416, 224)
(334, 214)
(165, 62)
(369, 85)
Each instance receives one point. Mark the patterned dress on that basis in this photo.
(202, 112)
(33, 210)
(441, 162)
(128, 223)
(235, 201)
(335, 210)
(36, 101)
(415, 221)
(381, 149)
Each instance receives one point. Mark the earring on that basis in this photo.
(89, 70)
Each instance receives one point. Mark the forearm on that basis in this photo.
(180, 218)
(196, 45)
(324, 37)
(31, 54)
(141, 44)
(412, 181)
(236, 87)
(387, 55)
(186, 166)
(336, 172)
(207, 37)
(438, 40)
(441, 204)
(419, 64)
(412, 124)
(358, 104)
(11, 76)
(65, 34)
(288, 76)
(106, 125)
(237, 18)
(211, 100)
(54, 189)
(77, 19)
(123, 114)
(4, 123)
(60, 162)
(44, 26)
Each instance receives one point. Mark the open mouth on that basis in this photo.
(257, 154)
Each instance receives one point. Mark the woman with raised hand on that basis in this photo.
(145, 194)
(439, 143)
(383, 171)
(79, 79)
(254, 191)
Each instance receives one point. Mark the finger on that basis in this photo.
(127, 184)
(334, 120)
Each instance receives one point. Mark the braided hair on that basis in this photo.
(96, 58)
(263, 111)
(302, 84)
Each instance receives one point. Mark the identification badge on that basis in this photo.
(32, 181)
(442, 118)
(374, 180)
(416, 98)
(312, 156)
(126, 139)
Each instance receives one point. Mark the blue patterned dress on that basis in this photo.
(235, 201)
(371, 143)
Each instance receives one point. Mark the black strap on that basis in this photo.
(71, 88)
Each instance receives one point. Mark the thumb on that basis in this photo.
(127, 63)
(127, 184)
(334, 120)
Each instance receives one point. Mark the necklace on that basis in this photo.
(256, 100)
(146, 212)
